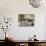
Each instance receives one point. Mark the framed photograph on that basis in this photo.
(26, 20)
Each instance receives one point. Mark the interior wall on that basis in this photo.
(11, 8)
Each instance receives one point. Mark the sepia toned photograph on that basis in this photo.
(26, 20)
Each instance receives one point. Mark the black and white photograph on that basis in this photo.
(26, 20)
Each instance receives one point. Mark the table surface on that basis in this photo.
(42, 41)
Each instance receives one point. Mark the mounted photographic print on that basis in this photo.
(26, 20)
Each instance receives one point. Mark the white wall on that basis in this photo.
(12, 8)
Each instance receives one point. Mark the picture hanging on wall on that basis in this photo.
(26, 20)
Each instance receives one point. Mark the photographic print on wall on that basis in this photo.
(26, 20)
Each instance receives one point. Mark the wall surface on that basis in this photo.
(11, 8)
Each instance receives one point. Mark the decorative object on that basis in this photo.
(26, 19)
(6, 25)
(30, 39)
(35, 38)
(36, 3)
